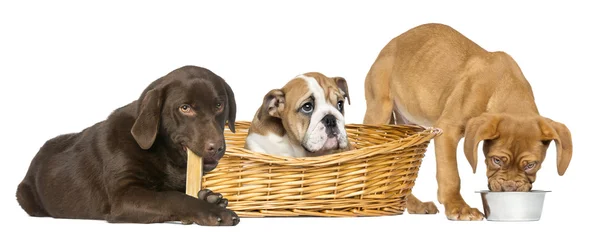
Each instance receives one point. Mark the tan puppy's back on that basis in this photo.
(429, 63)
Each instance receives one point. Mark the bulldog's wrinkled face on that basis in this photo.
(311, 109)
(515, 148)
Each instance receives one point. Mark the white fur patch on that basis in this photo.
(316, 134)
(401, 109)
(273, 144)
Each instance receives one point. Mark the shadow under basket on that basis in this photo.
(373, 179)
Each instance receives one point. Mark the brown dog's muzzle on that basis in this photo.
(212, 152)
(502, 185)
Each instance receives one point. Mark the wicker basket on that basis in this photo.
(374, 179)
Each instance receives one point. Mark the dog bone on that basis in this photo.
(193, 182)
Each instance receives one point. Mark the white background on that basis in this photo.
(66, 65)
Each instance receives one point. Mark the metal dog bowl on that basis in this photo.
(513, 206)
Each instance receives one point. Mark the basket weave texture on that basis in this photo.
(373, 179)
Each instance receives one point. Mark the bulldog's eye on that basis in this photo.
(530, 166)
(496, 161)
(340, 105)
(307, 107)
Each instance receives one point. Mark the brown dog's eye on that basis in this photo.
(219, 107)
(496, 160)
(185, 108)
(530, 166)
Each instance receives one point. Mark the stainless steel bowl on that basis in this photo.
(513, 206)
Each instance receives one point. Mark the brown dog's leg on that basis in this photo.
(416, 206)
(447, 176)
(139, 205)
(28, 201)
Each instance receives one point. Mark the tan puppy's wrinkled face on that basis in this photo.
(515, 148)
(311, 109)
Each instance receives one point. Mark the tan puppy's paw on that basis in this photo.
(462, 212)
(422, 208)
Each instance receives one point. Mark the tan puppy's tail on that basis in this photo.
(377, 91)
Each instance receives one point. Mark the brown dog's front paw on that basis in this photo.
(214, 215)
(422, 208)
(462, 212)
(212, 198)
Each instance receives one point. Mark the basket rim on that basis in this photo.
(422, 134)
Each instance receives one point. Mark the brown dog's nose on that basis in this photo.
(211, 148)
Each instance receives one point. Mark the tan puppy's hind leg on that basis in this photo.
(448, 179)
(380, 110)
(377, 92)
(416, 206)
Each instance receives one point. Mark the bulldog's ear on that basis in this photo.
(273, 103)
(560, 134)
(343, 86)
(145, 127)
(480, 128)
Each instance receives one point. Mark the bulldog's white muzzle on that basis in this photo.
(326, 128)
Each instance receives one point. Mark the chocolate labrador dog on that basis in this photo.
(131, 167)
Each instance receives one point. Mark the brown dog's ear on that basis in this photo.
(343, 85)
(145, 128)
(273, 103)
(478, 129)
(231, 107)
(561, 135)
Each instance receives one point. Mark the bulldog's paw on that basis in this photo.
(422, 208)
(462, 212)
(213, 198)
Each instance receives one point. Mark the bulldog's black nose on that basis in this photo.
(330, 121)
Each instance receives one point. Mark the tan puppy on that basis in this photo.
(434, 76)
(304, 118)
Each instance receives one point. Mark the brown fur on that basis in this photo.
(131, 167)
(434, 76)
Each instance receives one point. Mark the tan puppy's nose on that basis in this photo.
(509, 186)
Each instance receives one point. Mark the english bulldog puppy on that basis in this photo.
(305, 118)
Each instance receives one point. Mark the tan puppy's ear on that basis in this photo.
(343, 86)
(478, 129)
(561, 135)
(273, 103)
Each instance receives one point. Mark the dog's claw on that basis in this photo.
(202, 194)
(423, 208)
(463, 212)
(214, 198)
(224, 203)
